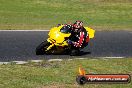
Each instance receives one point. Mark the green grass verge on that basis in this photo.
(44, 14)
(61, 74)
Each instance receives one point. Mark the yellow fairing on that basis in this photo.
(91, 32)
(58, 37)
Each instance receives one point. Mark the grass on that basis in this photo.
(62, 74)
(44, 14)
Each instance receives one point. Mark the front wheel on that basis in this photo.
(40, 50)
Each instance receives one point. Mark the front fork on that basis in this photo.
(52, 44)
(49, 47)
(52, 41)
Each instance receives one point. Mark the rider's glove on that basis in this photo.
(69, 41)
(58, 25)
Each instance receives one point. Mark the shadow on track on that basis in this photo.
(80, 54)
(84, 53)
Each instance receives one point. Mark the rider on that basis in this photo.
(79, 36)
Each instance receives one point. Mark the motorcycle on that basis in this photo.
(57, 42)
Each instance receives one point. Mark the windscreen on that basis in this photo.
(65, 29)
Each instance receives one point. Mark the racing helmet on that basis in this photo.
(78, 24)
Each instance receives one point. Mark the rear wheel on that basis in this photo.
(40, 50)
(75, 52)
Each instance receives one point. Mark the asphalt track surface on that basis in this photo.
(20, 45)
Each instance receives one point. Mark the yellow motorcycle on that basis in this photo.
(57, 41)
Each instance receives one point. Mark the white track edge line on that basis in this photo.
(50, 60)
(55, 60)
(110, 57)
(21, 30)
(4, 63)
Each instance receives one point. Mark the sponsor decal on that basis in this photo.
(83, 78)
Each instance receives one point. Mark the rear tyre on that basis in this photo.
(75, 52)
(40, 50)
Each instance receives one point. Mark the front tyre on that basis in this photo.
(40, 50)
